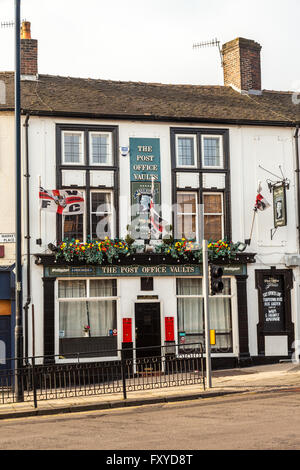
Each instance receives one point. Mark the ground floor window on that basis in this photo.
(87, 309)
(190, 312)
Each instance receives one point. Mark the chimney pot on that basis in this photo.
(25, 30)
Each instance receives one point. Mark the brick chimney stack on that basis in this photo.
(29, 52)
(241, 65)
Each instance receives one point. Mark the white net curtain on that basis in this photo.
(90, 308)
(191, 313)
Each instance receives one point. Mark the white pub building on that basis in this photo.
(95, 291)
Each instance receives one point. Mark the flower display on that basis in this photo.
(189, 250)
(93, 251)
(109, 251)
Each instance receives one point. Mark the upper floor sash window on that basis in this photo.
(187, 216)
(186, 154)
(213, 216)
(101, 220)
(212, 153)
(72, 148)
(100, 148)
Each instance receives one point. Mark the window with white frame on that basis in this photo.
(101, 215)
(186, 153)
(212, 151)
(187, 215)
(213, 216)
(89, 153)
(100, 148)
(72, 148)
(87, 307)
(190, 313)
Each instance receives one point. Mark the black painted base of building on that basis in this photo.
(219, 363)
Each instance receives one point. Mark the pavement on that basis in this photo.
(284, 377)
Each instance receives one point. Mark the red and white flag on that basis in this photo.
(261, 203)
(64, 202)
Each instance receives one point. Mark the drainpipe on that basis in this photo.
(298, 179)
(27, 237)
(297, 333)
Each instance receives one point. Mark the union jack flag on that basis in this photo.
(157, 224)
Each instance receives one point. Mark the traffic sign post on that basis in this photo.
(206, 313)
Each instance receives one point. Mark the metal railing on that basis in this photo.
(57, 377)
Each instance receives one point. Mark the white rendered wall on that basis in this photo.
(249, 148)
(7, 184)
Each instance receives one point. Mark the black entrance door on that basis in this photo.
(147, 329)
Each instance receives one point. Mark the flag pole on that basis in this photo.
(206, 312)
(151, 208)
(260, 202)
(248, 242)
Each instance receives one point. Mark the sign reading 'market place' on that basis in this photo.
(135, 270)
(7, 238)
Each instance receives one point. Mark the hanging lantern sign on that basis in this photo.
(279, 205)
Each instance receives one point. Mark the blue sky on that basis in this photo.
(152, 40)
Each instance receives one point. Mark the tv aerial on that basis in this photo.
(213, 43)
(9, 24)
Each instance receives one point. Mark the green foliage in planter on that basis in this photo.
(188, 250)
(93, 251)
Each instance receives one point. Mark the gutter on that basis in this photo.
(27, 237)
(155, 118)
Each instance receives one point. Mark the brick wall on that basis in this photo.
(241, 64)
(29, 57)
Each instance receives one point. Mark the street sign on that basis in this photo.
(7, 238)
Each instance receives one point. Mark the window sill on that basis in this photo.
(88, 347)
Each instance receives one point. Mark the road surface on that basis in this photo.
(253, 421)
